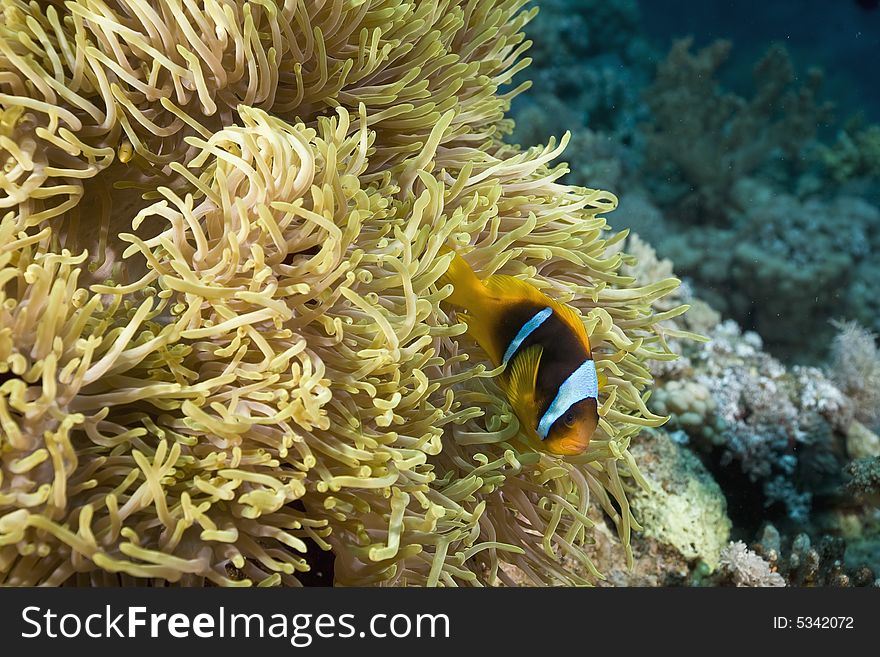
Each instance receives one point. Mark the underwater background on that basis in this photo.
(742, 139)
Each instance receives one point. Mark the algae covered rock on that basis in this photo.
(690, 407)
(861, 442)
(684, 508)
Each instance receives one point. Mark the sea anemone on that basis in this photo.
(223, 350)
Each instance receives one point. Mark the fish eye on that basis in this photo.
(569, 419)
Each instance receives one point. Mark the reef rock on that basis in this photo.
(861, 442)
(684, 508)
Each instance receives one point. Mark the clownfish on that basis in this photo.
(550, 377)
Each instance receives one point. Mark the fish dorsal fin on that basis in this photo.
(571, 319)
(519, 383)
(507, 287)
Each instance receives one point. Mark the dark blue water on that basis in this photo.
(836, 35)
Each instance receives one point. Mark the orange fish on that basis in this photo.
(550, 377)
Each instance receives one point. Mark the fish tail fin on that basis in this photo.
(467, 287)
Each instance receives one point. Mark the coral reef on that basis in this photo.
(781, 426)
(784, 259)
(745, 568)
(855, 369)
(802, 563)
(223, 354)
(766, 254)
(864, 479)
(791, 430)
(728, 137)
(854, 154)
(745, 212)
(222, 349)
(772, 226)
(795, 431)
(682, 507)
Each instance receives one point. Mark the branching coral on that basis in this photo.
(745, 568)
(854, 154)
(221, 341)
(855, 368)
(809, 563)
(728, 137)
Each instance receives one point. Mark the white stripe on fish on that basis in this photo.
(581, 384)
(527, 329)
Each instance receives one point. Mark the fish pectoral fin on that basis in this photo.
(479, 331)
(520, 379)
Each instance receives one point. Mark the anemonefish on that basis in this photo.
(550, 377)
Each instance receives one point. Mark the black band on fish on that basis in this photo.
(527, 329)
